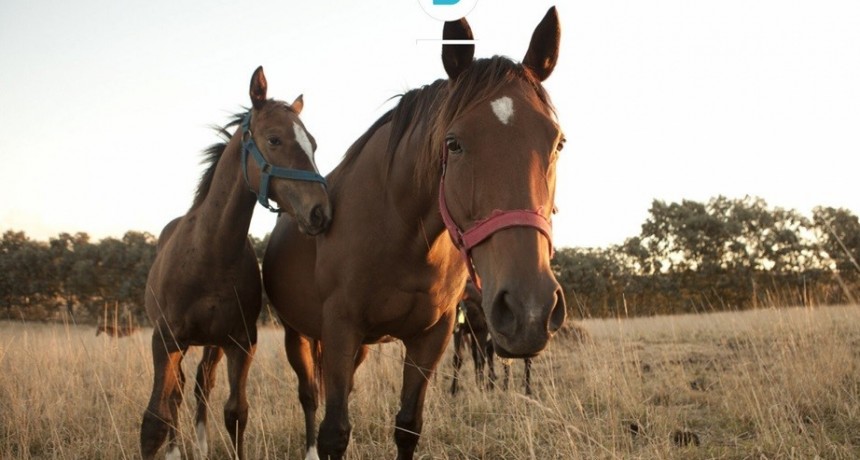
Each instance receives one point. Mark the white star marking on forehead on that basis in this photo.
(304, 143)
(503, 107)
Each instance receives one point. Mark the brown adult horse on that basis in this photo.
(204, 287)
(455, 151)
(472, 329)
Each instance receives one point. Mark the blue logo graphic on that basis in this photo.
(446, 10)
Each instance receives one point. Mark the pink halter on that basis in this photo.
(483, 229)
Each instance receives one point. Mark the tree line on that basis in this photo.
(689, 257)
(721, 255)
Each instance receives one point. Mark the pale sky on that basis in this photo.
(106, 105)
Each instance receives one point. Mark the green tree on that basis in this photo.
(839, 235)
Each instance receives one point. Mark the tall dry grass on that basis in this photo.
(775, 383)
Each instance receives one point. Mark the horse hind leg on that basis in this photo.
(458, 359)
(161, 417)
(239, 360)
(303, 356)
(205, 381)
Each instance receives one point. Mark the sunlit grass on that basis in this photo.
(772, 383)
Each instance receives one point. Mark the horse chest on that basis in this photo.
(403, 315)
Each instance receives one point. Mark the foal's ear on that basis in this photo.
(258, 88)
(543, 49)
(298, 104)
(456, 58)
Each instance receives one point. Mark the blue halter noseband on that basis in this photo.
(267, 171)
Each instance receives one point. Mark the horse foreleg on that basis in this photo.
(300, 354)
(236, 409)
(528, 362)
(478, 359)
(162, 413)
(491, 351)
(422, 356)
(341, 348)
(458, 358)
(205, 381)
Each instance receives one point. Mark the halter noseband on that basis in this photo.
(483, 229)
(267, 171)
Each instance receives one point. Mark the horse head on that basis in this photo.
(283, 169)
(500, 141)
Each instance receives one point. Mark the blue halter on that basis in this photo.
(267, 171)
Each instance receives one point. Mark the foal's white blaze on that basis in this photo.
(503, 107)
(305, 143)
(201, 439)
(173, 454)
(312, 454)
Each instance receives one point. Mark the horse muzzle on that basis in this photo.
(522, 322)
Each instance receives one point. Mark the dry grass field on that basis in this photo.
(764, 384)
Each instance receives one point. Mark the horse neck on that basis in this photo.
(224, 216)
(415, 191)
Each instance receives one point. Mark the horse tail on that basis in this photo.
(317, 353)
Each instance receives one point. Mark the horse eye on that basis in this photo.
(560, 145)
(453, 146)
(274, 141)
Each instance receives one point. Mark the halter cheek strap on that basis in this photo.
(267, 171)
(481, 230)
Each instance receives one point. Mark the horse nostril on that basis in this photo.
(503, 318)
(318, 219)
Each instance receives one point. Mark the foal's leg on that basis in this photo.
(161, 416)
(458, 358)
(300, 353)
(422, 356)
(236, 409)
(205, 381)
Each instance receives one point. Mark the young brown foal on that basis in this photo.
(204, 287)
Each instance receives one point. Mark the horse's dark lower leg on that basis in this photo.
(236, 409)
(528, 363)
(478, 359)
(341, 347)
(507, 365)
(491, 352)
(161, 416)
(205, 381)
(458, 359)
(422, 356)
(300, 354)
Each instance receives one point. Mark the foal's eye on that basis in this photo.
(274, 141)
(560, 145)
(452, 145)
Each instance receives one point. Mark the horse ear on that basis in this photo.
(298, 104)
(456, 58)
(258, 88)
(543, 49)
